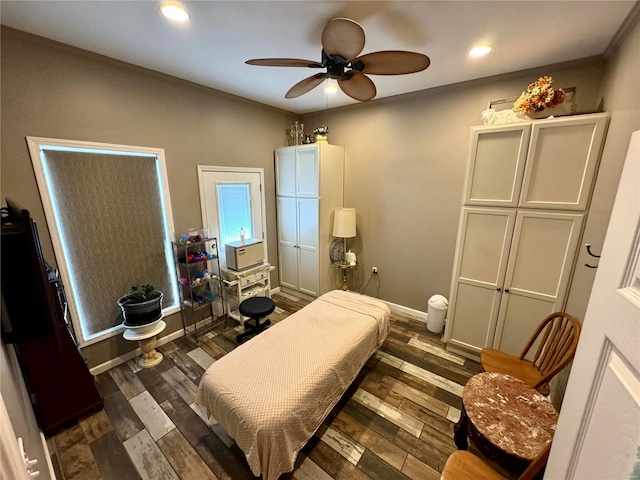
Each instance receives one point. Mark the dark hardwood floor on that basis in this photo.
(394, 422)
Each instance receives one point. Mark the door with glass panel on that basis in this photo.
(232, 199)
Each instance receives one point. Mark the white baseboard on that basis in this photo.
(417, 314)
(114, 362)
(103, 367)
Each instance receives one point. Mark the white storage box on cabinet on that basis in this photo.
(516, 247)
(309, 185)
(244, 255)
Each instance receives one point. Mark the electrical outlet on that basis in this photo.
(374, 270)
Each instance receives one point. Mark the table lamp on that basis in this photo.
(344, 226)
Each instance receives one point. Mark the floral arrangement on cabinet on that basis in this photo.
(539, 95)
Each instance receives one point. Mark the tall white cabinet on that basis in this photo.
(526, 195)
(309, 187)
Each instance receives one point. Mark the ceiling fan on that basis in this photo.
(342, 41)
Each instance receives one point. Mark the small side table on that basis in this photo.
(509, 421)
(344, 266)
(146, 336)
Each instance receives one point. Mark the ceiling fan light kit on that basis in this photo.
(342, 41)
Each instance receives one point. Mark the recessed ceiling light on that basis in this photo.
(174, 11)
(480, 51)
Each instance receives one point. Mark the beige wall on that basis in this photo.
(620, 95)
(50, 90)
(405, 155)
(406, 160)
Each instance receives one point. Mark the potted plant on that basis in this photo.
(142, 305)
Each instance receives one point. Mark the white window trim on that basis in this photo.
(260, 171)
(35, 145)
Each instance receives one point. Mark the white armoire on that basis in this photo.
(526, 196)
(309, 187)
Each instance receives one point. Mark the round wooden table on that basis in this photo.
(509, 421)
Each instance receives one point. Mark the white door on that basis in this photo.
(232, 198)
(540, 264)
(598, 433)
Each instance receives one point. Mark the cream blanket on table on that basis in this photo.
(273, 392)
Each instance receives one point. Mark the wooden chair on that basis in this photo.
(462, 465)
(557, 338)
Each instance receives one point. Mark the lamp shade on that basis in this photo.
(344, 223)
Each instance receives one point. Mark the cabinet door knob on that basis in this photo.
(499, 289)
(506, 290)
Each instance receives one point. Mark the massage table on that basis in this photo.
(272, 393)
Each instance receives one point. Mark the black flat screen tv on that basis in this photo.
(27, 298)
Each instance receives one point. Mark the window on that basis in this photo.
(109, 215)
(234, 210)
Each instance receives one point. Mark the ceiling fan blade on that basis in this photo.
(305, 85)
(392, 62)
(358, 86)
(343, 37)
(283, 62)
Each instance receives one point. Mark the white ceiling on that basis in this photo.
(211, 48)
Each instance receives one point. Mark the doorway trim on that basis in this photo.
(202, 169)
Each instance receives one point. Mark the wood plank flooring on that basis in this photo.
(394, 422)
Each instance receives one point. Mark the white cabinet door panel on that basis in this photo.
(485, 236)
(289, 266)
(519, 316)
(483, 247)
(286, 172)
(476, 308)
(496, 165)
(308, 211)
(562, 162)
(309, 277)
(308, 172)
(288, 214)
(542, 253)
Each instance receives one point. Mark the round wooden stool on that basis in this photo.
(509, 421)
(255, 308)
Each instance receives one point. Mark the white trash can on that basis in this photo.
(436, 311)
